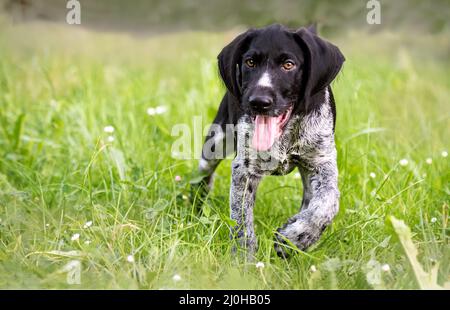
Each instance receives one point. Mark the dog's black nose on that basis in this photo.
(260, 103)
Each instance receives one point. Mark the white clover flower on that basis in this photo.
(157, 110)
(53, 103)
(313, 268)
(385, 268)
(177, 178)
(444, 154)
(75, 237)
(176, 278)
(108, 129)
(184, 197)
(130, 258)
(46, 225)
(433, 220)
(87, 224)
(260, 265)
(110, 138)
(429, 161)
(403, 162)
(372, 175)
(161, 109)
(297, 175)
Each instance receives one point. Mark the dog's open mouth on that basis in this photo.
(268, 129)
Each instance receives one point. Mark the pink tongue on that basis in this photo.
(266, 131)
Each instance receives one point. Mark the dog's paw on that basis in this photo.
(280, 245)
(299, 232)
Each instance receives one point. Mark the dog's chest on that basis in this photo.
(305, 141)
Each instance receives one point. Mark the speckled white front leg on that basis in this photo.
(242, 201)
(244, 183)
(317, 211)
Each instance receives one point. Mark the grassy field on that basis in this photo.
(113, 204)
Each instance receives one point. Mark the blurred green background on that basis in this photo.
(150, 16)
(111, 204)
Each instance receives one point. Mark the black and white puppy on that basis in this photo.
(278, 113)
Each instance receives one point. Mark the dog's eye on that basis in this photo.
(288, 65)
(250, 63)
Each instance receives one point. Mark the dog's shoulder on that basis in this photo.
(312, 133)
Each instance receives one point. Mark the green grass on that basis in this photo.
(60, 87)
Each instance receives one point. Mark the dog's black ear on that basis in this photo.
(322, 62)
(312, 28)
(229, 61)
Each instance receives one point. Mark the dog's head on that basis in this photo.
(273, 71)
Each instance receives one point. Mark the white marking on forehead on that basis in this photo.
(265, 80)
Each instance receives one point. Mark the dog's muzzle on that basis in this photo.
(260, 103)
